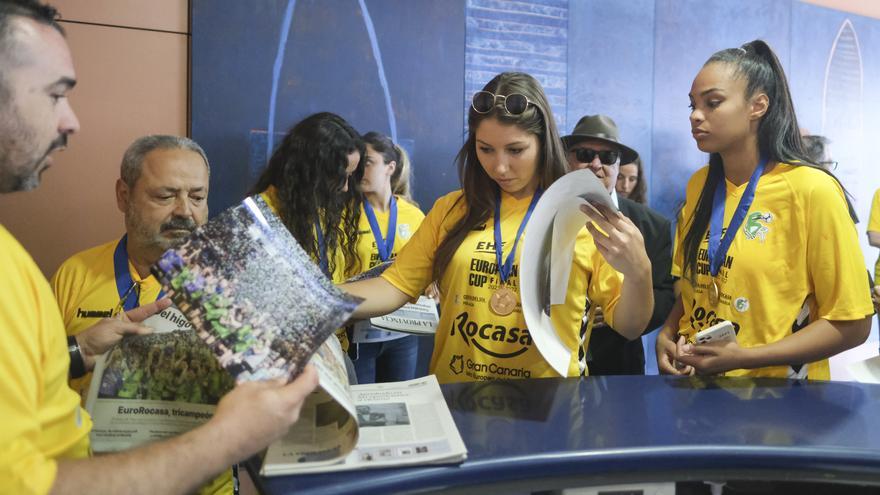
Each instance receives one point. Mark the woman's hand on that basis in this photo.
(619, 241)
(667, 349)
(711, 359)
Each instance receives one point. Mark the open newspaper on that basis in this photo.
(250, 304)
(420, 317)
(344, 427)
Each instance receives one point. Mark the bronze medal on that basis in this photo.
(714, 293)
(503, 301)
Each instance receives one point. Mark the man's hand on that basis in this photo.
(100, 337)
(255, 414)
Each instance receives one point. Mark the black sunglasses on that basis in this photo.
(514, 103)
(587, 155)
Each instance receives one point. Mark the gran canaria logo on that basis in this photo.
(491, 335)
(753, 227)
(457, 364)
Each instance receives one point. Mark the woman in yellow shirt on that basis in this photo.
(310, 183)
(763, 232)
(387, 222)
(469, 242)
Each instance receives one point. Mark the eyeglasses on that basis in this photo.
(829, 165)
(587, 155)
(514, 103)
(136, 287)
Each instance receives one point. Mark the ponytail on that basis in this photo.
(779, 137)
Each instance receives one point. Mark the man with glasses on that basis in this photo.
(162, 192)
(45, 433)
(595, 144)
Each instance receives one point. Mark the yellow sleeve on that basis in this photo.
(62, 288)
(605, 285)
(412, 270)
(24, 468)
(834, 258)
(874, 218)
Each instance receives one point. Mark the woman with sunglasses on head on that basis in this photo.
(387, 221)
(310, 183)
(631, 183)
(471, 239)
(763, 232)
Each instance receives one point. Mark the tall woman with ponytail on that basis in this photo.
(762, 234)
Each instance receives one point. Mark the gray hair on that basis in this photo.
(133, 159)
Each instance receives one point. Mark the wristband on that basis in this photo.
(77, 365)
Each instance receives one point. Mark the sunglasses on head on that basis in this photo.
(514, 103)
(587, 155)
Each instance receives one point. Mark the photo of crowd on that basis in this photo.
(173, 366)
(226, 279)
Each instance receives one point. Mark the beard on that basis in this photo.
(21, 162)
(158, 240)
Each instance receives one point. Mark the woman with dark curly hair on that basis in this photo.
(310, 182)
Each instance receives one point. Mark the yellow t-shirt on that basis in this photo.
(42, 419)
(409, 217)
(85, 287)
(796, 244)
(473, 343)
(874, 226)
(270, 196)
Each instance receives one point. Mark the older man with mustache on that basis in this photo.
(162, 191)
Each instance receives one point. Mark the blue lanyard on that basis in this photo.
(385, 245)
(322, 250)
(718, 247)
(504, 270)
(124, 283)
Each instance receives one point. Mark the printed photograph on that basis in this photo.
(389, 414)
(254, 296)
(173, 366)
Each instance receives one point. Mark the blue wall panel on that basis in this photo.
(610, 68)
(522, 36)
(688, 32)
(328, 65)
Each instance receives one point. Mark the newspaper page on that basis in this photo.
(400, 423)
(327, 429)
(548, 249)
(254, 296)
(155, 386)
(418, 318)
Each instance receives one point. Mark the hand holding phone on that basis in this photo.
(717, 334)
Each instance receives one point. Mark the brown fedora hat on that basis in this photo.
(601, 128)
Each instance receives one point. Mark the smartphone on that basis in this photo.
(718, 333)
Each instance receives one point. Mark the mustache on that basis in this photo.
(179, 223)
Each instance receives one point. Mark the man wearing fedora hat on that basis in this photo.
(595, 144)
